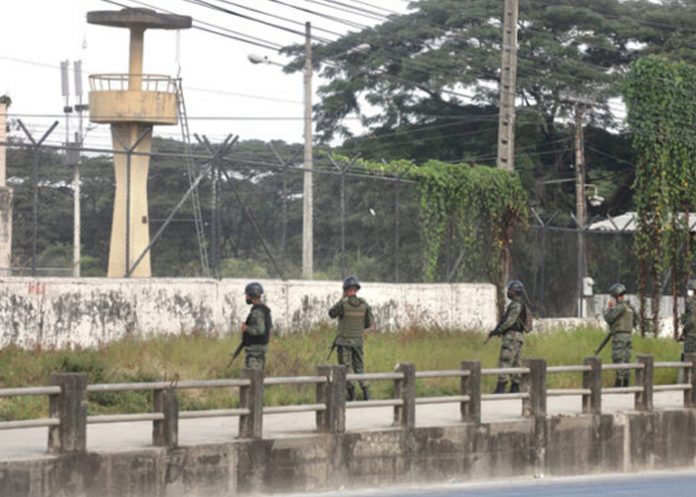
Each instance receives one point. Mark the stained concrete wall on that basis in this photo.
(88, 311)
(554, 446)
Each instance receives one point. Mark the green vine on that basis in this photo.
(662, 118)
(470, 208)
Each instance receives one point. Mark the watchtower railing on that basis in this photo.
(124, 82)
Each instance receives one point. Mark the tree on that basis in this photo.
(430, 66)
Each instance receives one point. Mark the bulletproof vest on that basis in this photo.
(352, 322)
(625, 322)
(264, 338)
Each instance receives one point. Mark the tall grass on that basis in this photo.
(204, 357)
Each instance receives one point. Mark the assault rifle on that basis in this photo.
(604, 343)
(333, 346)
(237, 351)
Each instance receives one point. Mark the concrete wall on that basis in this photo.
(553, 446)
(88, 311)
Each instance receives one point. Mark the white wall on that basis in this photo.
(88, 311)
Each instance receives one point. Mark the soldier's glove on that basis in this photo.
(494, 333)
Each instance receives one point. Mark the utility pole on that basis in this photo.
(580, 206)
(508, 87)
(5, 197)
(79, 140)
(308, 190)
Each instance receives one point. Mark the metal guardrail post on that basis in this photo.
(592, 380)
(644, 378)
(690, 378)
(405, 389)
(251, 397)
(333, 394)
(165, 432)
(70, 406)
(536, 406)
(471, 385)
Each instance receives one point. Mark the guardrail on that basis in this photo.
(68, 396)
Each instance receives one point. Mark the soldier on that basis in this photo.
(256, 330)
(511, 327)
(621, 318)
(688, 320)
(354, 316)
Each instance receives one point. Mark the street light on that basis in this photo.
(308, 191)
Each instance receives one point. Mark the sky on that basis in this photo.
(218, 79)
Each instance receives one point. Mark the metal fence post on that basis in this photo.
(470, 385)
(690, 378)
(333, 394)
(536, 407)
(405, 389)
(70, 406)
(644, 378)
(251, 398)
(165, 432)
(592, 381)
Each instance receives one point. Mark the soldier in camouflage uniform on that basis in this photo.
(688, 319)
(354, 317)
(511, 328)
(621, 318)
(256, 330)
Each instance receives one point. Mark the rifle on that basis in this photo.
(604, 343)
(236, 353)
(333, 346)
(492, 334)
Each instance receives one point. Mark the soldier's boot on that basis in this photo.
(514, 387)
(366, 393)
(350, 392)
(500, 387)
(618, 383)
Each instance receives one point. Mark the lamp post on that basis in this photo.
(308, 189)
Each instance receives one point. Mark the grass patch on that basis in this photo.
(204, 357)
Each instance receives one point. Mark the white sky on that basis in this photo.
(35, 35)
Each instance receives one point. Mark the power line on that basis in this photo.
(320, 14)
(274, 16)
(350, 10)
(204, 3)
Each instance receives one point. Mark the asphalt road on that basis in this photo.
(677, 484)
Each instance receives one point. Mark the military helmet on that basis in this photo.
(514, 287)
(691, 285)
(253, 289)
(351, 281)
(617, 289)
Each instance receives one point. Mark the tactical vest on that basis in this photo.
(264, 338)
(352, 322)
(624, 324)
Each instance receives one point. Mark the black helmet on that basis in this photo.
(514, 287)
(351, 281)
(253, 289)
(617, 289)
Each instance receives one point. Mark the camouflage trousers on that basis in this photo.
(254, 357)
(353, 358)
(621, 349)
(510, 353)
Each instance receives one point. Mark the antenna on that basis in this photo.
(64, 82)
(77, 65)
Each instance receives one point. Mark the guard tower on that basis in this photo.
(132, 103)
